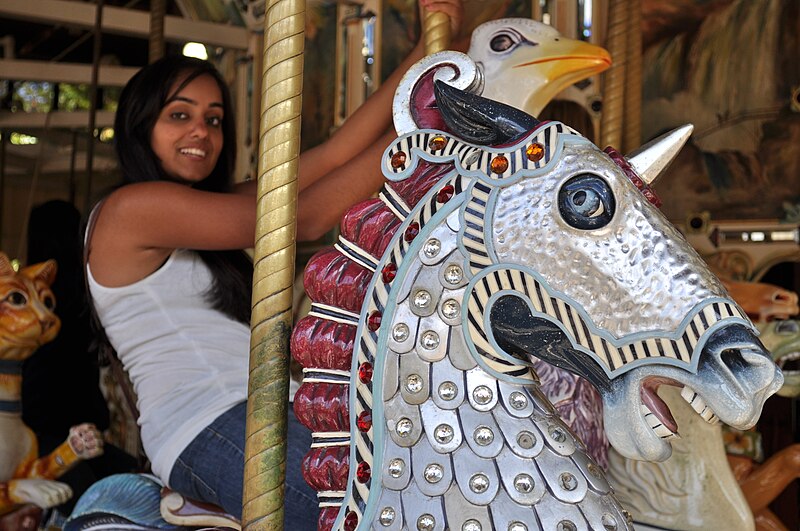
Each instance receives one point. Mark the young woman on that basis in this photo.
(170, 285)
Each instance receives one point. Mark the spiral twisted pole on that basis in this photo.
(633, 79)
(436, 32)
(614, 81)
(279, 151)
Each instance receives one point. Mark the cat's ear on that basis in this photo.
(6, 270)
(44, 272)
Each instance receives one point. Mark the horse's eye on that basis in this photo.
(586, 202)
(16, 298)
(503, 42)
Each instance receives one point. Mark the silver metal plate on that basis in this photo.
(433, 472)
(434, 418)
(511, 467)
(469, 468)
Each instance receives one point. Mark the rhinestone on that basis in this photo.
(363, 472)
(414, 383)
(483, 436)
(443, 433)
(429, 340)
(609, 522)
(451, 308)
(557, 434)
(400, 332)
(404, 427)
(517, 526)
(411, 232)
(518, 400)
(426, 522)
(523, 483)
(434, 473)
(499, 164)
(445, 194)
(535, 152)
(479, 483)
(566, 525)
(482, 395)
(364, 421)
(374, 320)
(568, 481)
(387, 516)
(432, 247)
(526, 440)
(388, 272)
(438, 142)
(365, 372)
(350, 521)
(453, 274)
(422, 299)
(398, 159)
(471, 525)
(448, 391)
(396, 467)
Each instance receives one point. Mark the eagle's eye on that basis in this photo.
(503, 41)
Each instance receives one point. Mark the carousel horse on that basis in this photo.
(27, 321)
(499, 238)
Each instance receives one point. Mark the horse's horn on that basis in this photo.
(653, 158)
(480, 120)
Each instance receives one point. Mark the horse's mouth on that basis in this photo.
(657, 414)
(789, 363)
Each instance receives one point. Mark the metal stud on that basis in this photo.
(387, 516)
(434, 473)
(404, 427)
(483, 436)
(426, 522)
(517, 526)
(566, 525)
(451, 308)
(526, 440)
(557, 434)
(568, 481)
(432, 247)
(453, 274)
(429, 340)
(396, 467)
(609, 522)
(443, 433)
(400, 332)
(471, 525)
(524, 483)
(448, 391)
(518, 400)
(422, 299)
(479, 483)
(482, 395)
(414, 383)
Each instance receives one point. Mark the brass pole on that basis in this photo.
(614, 88)
(633, 79)
(93, 103)
(279, 151)
(436, 31)
(158, 9)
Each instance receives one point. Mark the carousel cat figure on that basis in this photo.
(499, 238)
(27, 321)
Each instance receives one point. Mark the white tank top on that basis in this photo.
(188, 362)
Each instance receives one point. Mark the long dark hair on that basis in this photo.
(140, 104)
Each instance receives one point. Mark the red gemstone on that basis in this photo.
(364, 421)
(389, 272)
(374, 321)
(363, 472)
(365, 372)
(350, 521)
(412, 231)
(445, 194)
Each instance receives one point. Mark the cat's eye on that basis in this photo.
(16, 298)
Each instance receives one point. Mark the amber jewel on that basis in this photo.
(365, 372)
(499, 164)
(364, 421)
(535, 152)
(438, 142)
(398, 159)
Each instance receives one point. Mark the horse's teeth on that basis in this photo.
(656, 424)
(699, 405)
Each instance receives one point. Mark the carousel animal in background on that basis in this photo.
(761, 301)
(26, 322)
(500, 238)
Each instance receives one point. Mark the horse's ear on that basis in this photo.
(480, 120)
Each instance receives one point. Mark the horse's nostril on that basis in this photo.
(734, 360)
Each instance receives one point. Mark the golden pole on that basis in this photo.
(279, 151)
(633, 79)
(614, 87)
(436, 30)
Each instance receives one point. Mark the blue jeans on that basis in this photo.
(211, 469)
